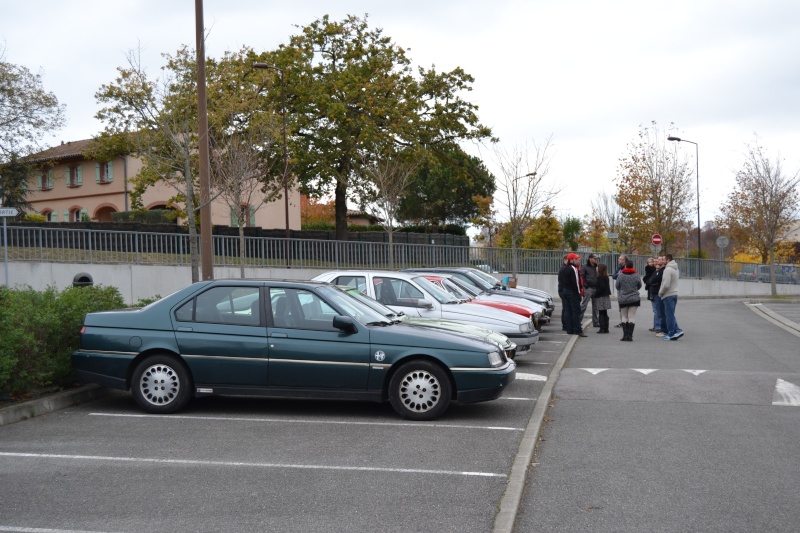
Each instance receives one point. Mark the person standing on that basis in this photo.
(570, 282)
(589, 277)
(564, 262)
(602, 297)
(669, 297)
(621, 260)
(649, 270)
(628, 284)
(659, 326)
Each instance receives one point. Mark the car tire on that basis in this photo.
(161, 384)
(420, 390)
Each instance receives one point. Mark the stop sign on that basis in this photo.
(656, 239)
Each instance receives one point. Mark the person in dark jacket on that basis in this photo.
(564, 262)
(659, 321)
(602, 297)
(589, 277)
(570, 283)
(628, 284)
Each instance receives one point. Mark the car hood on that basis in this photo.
(459, 327)
(482, 315)
(417, 335)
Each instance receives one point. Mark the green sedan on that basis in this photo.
(283, 339)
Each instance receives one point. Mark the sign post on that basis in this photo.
(6, 212)
(722, 242)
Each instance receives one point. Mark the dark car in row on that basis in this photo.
(284, 339)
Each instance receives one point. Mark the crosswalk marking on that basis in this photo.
(531, 377)
(695, 372)
(594, 371)
(786, 394)
(645, 371)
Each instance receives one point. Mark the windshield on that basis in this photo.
(472, 290)
(438, 293)
(455, 290)
(488, 278)
(372, 303)
(353, 307)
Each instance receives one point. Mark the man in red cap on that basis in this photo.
(569, 279)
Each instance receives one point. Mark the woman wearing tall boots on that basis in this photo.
(628, 284)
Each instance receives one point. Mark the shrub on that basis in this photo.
(41, 330)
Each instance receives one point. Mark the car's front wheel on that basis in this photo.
(161, 384)
(420, 390)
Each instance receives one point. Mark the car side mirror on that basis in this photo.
(424, 304)
(344, 323)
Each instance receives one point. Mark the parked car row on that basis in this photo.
(418, 341)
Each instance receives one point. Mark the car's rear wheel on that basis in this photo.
(420, 390)
(161, 384)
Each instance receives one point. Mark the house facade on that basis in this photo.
(68, 187)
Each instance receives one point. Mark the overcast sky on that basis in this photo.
(588, 73)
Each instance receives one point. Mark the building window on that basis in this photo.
(104, 172)
(46, 180)
(74, 176)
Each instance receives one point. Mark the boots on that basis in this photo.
(631, 325)
(603, 324)
(624, 331)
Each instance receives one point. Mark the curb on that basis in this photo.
(509, 504)
(771, 316)
(48, 404)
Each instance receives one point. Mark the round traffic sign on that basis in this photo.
(657, 239)
(722, 241)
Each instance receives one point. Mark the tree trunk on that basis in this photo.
(773, 288)
(391, 249)
(514, 265)
(341, 211)
(242, 251)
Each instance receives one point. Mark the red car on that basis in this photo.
(452, 288)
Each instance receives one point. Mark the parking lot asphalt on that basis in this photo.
(699, 434)
(608, 454)
(249, 464)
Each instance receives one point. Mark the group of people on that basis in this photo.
(578, 285)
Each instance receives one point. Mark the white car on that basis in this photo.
(414, 295)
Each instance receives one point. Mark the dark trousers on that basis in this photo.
(572, 309)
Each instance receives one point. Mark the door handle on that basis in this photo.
(184, 328)
(279, 335)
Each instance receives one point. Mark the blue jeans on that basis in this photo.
(657, 306)
(670, 303)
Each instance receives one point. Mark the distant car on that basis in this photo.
(416, 296)
(491, 285)
(519, 307)
(283, 339)
(761, 273)
(503, 342)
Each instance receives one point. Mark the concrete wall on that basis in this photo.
(136, 282)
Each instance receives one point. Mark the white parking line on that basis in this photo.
(44, 530)
(514, 398)
(421, 425)
(251, 465)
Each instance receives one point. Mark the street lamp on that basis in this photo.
(697, 175)
(259, 64)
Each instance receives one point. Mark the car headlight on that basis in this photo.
(495, 359)
(527, 327)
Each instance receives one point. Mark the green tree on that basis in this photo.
(350, 88)
(156, 120)
(444, 189)
(14, 184)
(27, 110)
(572, 229)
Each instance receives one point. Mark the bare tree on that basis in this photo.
(522, 189)
(763, 204)
(389, 176)
(606, 209)
(239, 165)
(654, 189)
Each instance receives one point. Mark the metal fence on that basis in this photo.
(64, 245)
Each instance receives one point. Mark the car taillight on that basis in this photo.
(83, 330)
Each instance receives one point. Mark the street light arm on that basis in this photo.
(697, 176)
